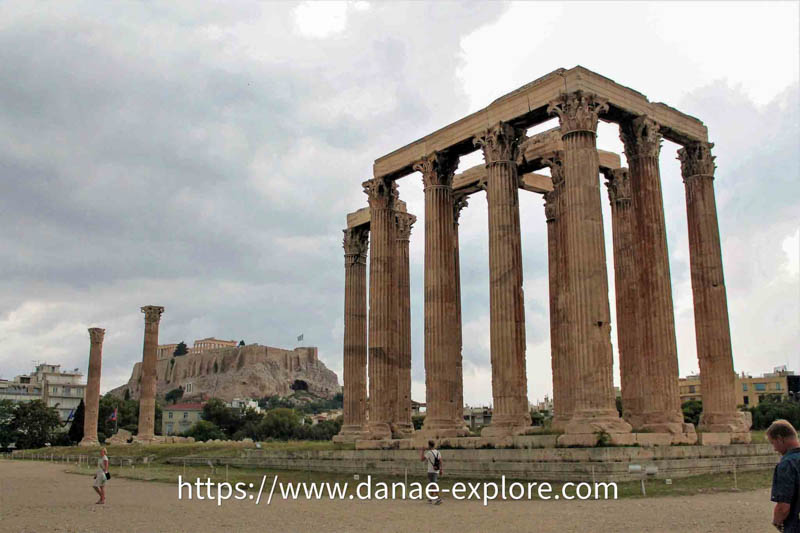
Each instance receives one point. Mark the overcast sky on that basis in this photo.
(203, 157)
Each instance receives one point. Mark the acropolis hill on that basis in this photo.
(229, 372)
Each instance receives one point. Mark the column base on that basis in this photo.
(440, 429)
(89, 441)
(144, 439)
(735, 422)
(558, 423)
(378, 431)
(402, 431)
(590, 422)
(351, 434)
(509, 431)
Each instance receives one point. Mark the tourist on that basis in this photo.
(786, 478)
(435, 469)
(101, 476)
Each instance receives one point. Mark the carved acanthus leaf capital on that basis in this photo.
(152, 314)
(459, 202)
(619, 186)
(96, 335)
(641, 137)
(501, 143)
(381, 193)
(356, 241)
(550, 209)
(696, 159)
(404, 223)
(578, 111)
(556, 165)
(437, 169)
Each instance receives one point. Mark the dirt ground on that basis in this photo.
(42, 497)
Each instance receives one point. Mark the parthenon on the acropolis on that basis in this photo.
(377, 333)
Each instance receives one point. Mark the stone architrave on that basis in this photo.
(382, 195)
(443, 418)
(459, 203)
(511, 414)
(147, 398)
(627, 297)
(712, 329)
(92, 395)
(354, 411)
(589, 327)
(562, 353)
(661, 405)
(402, 425)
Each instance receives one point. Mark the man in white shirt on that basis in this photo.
(434, 460)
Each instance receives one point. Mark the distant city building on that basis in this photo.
(477, 416)
(752, 390)
(166, 351)
(244, 403)
(62, 390)
(178, 418)
(544, 405)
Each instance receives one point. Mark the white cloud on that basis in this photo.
(320, 19)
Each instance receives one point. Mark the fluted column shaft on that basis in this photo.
(147, 397)
(507, 306)
(442, 417)
(459, 203)
(382, 317)
(592, 374)
(356, 241)
(712, 328)
(660, 412)
(91, 401)
(402, 423)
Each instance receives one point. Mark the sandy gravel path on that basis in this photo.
(41, 497)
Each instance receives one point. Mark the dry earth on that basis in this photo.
(42, 497)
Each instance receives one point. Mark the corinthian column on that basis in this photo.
(561, 351)
(511, 414)
(147, 398)
(661, 406)
(459, 203)
(631, 358)
(382, 194)
(714, 353)
(92, 395)
(402, 426)
(443, 417)
(354, 409)
(594, 408)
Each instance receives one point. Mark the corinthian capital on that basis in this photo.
(356, 241)
(556, 165)
(459, 202)
(696, 160)
(578, 111)
(500, 143)
(550, 199)
(96, 335)
(152, 314)
(619, 186)
(404, 222)
(641, 137)
(381, 193)
(437, 169)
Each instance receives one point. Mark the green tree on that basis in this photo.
(7, 432)
(417, 420)
(180, 349)
(241, 343)
(174, 395)
(772, 408)
(691, 411)
(222, 416)
(76, 428)
(279, 424)
(204, 430)
(34, 424)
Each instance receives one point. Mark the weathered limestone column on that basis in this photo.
(354, 412)
(586, 269)
(661, 407)
(147, 398)
(631, 358)
(714, 352)
(459, 203)
(561, 352)
(443, 417)
(402, 426)
(382, 195)
(91, 398)
(511, 414)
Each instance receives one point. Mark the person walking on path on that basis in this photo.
(101, 476)
(435, 469)
(786, 478)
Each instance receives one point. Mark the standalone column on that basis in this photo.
(382, 318)
(507, 305)
(354, 409)
(443, 418)
(594, 408)
(661, 409)
(147, 397)
(714, 353)
(92, 395)
(561, 351)
(631, 358)
(459, 203)
(402, 426)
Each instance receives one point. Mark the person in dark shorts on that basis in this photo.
(786, 478)
(435, 469)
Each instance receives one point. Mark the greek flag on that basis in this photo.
(299, 337)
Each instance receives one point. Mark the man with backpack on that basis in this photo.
(434, 460)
